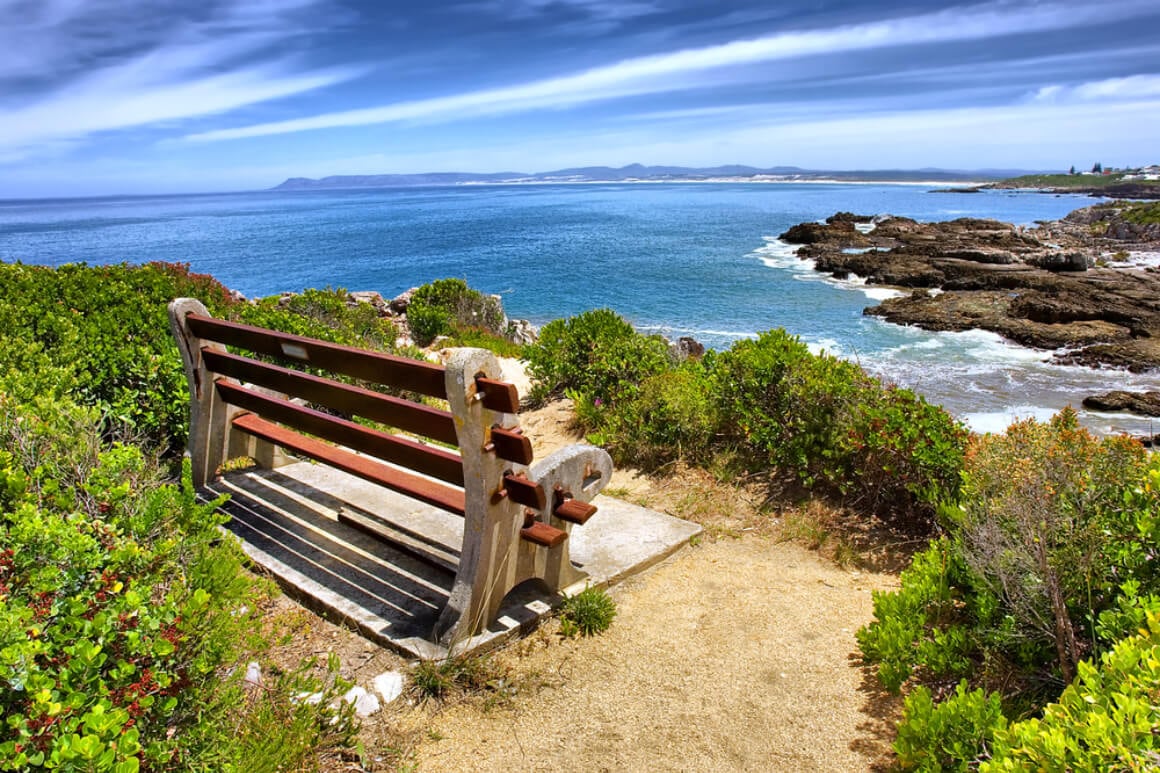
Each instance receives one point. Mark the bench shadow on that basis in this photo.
(293, 524)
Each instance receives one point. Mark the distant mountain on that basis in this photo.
(639, 173)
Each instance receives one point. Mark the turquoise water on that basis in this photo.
(682, 259)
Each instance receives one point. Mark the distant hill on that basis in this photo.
(640, 173)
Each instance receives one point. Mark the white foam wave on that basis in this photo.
(997, 421)
(778, 254)
(827, 345)
(882, 293)
(1138, 260)
(783, 255)
(865, 227)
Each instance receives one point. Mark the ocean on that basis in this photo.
(697, 259)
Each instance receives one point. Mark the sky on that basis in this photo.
(155, 96)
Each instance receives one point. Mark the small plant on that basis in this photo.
(587, 613)
(439, 679)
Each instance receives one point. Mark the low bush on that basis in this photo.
(124, 614)
(598, 356)
(1048, 560)
(445, 306)
(327, 314)
(588, 613)
(952, 734)
(674, 416)
(922, 625)
(1105, 720)
(100, 335)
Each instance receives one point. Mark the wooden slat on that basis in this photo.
(574, 511)
(524, 491)
(397, 412)
(543, 534)
(511, 445)
(421, 377)
(498, 395)
(432, 492)
(436, 462)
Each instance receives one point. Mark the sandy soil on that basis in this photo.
(734, 656)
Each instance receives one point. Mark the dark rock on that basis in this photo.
(371, 298)
(401, 301)
(1035, 286)
(1142, 403)
(1059, 261)
(848, 217)
(685, 348)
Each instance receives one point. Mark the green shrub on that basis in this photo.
(674, 416)
(1053, 521)
(921, 625)
(121, 606)
(327, 314)
(102, 334)
(953, 734)
(588, 613)
(825, 422)
(770, 403)
(446, 305)
(1106, 720)
(1050, 558)
(596, 354)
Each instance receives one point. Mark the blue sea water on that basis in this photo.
(683, 259)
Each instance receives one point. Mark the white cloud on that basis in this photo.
(1132, 87)
(188, 72)
(680, 70)
(611, 10)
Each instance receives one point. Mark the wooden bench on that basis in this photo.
(517, 517)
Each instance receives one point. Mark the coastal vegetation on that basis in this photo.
(1061, 181)
(1045, 571)
(763, 407)
(1025, 633)
(461, 315)
(126, 621)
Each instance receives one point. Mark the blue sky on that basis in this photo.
(113, 96)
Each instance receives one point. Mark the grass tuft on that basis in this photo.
(587, 613)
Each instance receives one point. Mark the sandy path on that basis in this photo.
(735, 655)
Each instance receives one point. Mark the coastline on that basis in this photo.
(1053, 289)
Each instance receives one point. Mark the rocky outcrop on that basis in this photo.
(1042, 287)
(1143, 403)
(686, 348)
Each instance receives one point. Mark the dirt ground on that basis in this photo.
(737, 654)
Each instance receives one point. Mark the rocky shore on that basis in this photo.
(1064, 286)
